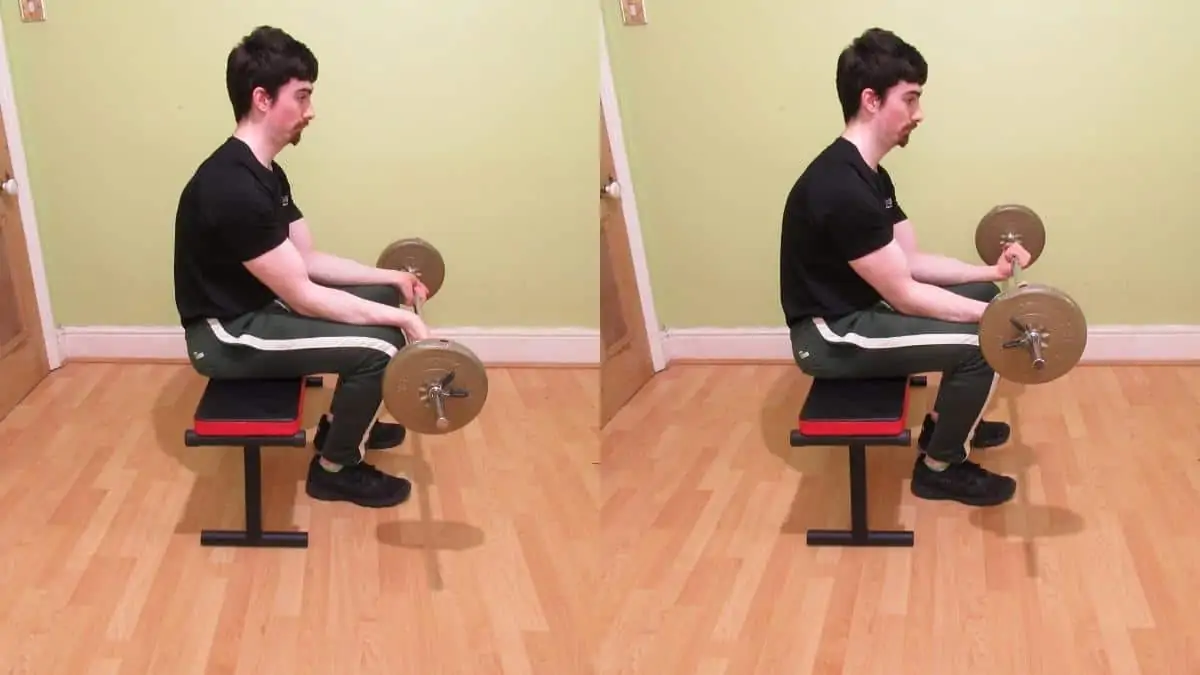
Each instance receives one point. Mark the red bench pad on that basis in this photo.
(251, 408)
(860, 407)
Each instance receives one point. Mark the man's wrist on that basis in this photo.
(982, 307)
(404, 318)
(993, 273)
(396, 278)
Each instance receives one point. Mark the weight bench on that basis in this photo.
(857, 414)
(252, 414)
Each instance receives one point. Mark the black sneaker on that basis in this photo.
(360, 484)
(966, 482)
(987, 434)
(382, 436)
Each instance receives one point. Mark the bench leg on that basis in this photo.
(859, 534)
(253, 535)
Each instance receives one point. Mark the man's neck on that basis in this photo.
(263, 148)
(870, 147)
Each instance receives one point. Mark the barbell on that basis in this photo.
(431, 386)
(1030, 333)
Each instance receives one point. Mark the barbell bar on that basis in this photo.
(1030, 333)
(436, 385)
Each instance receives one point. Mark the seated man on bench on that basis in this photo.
(859, 298)
(256, 300)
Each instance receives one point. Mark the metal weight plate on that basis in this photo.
(417, 256)
(1007, 224)
(1055, 316)
(419, 366)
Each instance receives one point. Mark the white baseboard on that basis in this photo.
(1129, 344)
(506, 346)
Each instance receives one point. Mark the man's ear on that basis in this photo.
(871, 100)
(261, 99)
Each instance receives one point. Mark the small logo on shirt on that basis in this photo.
(287, 199)
(887, 203)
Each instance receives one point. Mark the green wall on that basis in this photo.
(475, 126)
(467, 123)
(1082, 110)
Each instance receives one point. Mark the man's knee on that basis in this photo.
(983, 291)
(392, 336)
(384, 294)
(381, 344)
(387, 295)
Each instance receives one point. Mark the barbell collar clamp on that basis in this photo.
(1033, 339)
(440, 409)
(1035, 344)
(437, 393)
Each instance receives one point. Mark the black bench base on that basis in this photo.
(254, 535)
(860, 534)
(252, 405)
(228, 538)
(860, 407)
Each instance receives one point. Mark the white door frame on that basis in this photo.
(612, 116)
(16, 151)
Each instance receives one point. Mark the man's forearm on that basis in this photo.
(935, 302)
(337, 305)
(326, 268)
(940, 270)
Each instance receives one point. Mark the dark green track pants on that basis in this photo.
(880, 342)
(275, 342)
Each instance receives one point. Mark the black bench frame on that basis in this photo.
(253, 535)
(860, 534)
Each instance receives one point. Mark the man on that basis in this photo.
(257, 300)
(861, 300)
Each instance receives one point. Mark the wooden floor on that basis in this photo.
(682, 554)
(1091, 569)
(489, 569)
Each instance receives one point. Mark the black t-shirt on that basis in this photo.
(838, 210)
(232, 210)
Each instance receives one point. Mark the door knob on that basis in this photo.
(9, 186)
(612, 190)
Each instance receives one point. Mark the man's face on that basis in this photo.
(899, 113)
(291, 111)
